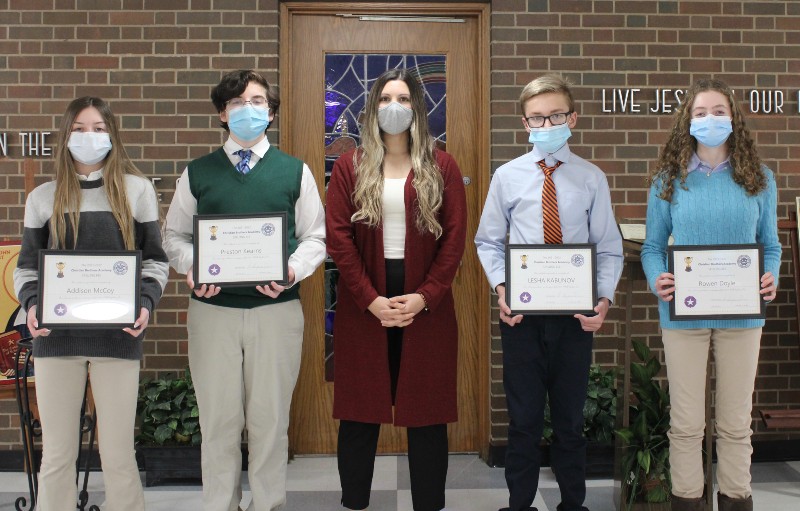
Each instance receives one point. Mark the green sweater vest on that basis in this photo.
(273, 185)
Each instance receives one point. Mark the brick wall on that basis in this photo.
(650, 45)
(155, 60)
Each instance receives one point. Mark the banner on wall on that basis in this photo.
(10, 313)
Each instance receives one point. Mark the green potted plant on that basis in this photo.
(645, 460)
(600, 409)
(599, 416)
(169, 431)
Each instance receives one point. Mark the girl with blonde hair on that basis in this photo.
(396, 224)
(98, 201)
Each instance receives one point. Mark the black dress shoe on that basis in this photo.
(509, 509)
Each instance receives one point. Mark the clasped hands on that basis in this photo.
(208, 290)
(398, 311)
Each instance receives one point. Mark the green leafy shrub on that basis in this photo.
(646, 460)
(168, 412)
(599, 411)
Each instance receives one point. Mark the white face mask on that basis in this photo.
(394, 118)
(89, 147)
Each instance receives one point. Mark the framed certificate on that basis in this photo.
(551, 279)
(88, 289)
(716, 282)
(633, 232)
(240, 250)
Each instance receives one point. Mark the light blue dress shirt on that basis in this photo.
(695, 163)
(514, 206)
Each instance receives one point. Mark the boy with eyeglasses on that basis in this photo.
(245, 343)
(548, 196)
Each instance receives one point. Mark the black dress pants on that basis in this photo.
(546, 355)
(358, 441)
(427, 464)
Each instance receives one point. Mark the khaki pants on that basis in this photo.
(736, 361)
(244, 366)
(59, 392)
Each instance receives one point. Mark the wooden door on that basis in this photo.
(309, 32)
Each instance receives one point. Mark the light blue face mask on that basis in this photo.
(711, 130)
(551, 138)
(248, 123)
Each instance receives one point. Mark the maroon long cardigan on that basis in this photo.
(426, 387)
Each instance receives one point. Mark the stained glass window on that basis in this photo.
(348, 79)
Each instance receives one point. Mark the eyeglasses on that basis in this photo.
(256, 101)
(537, 121)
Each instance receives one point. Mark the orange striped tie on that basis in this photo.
(551, 222)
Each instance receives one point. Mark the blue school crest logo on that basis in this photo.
(577, 260)
(267, 229)
(744, 261)
(120, 267)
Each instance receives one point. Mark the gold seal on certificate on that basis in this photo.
(716, 282)
(87, 289)
(240, 250)
(551, 279)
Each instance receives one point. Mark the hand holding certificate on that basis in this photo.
(551, 279)
(240, 250)
(716, 282)
(82, 289)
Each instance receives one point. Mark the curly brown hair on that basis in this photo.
(676, 153)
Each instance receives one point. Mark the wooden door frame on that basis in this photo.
(479, 11)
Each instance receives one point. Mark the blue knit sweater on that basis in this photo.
(713, 211)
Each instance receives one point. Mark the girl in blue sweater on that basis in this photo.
(710, 188)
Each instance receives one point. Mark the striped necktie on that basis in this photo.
(551, 223)
(244, 165)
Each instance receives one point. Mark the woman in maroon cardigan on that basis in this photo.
(396, 223)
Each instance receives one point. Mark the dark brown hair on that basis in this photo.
(233, 85)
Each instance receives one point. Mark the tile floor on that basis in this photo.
(313, 484)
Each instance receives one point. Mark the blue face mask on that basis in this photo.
(248, 123)
(711, 130)
(551, 138)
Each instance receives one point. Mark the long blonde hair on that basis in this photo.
(67, 199)
(368, 160)
(676, 153)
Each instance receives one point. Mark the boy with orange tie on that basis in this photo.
(548, 196)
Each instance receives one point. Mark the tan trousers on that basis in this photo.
(736, 361)
(59, 392)
(244, 366)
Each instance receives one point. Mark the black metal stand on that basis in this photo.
(31, 428)
(29, 425)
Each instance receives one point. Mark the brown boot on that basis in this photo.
(726, 503)
(684, 504)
